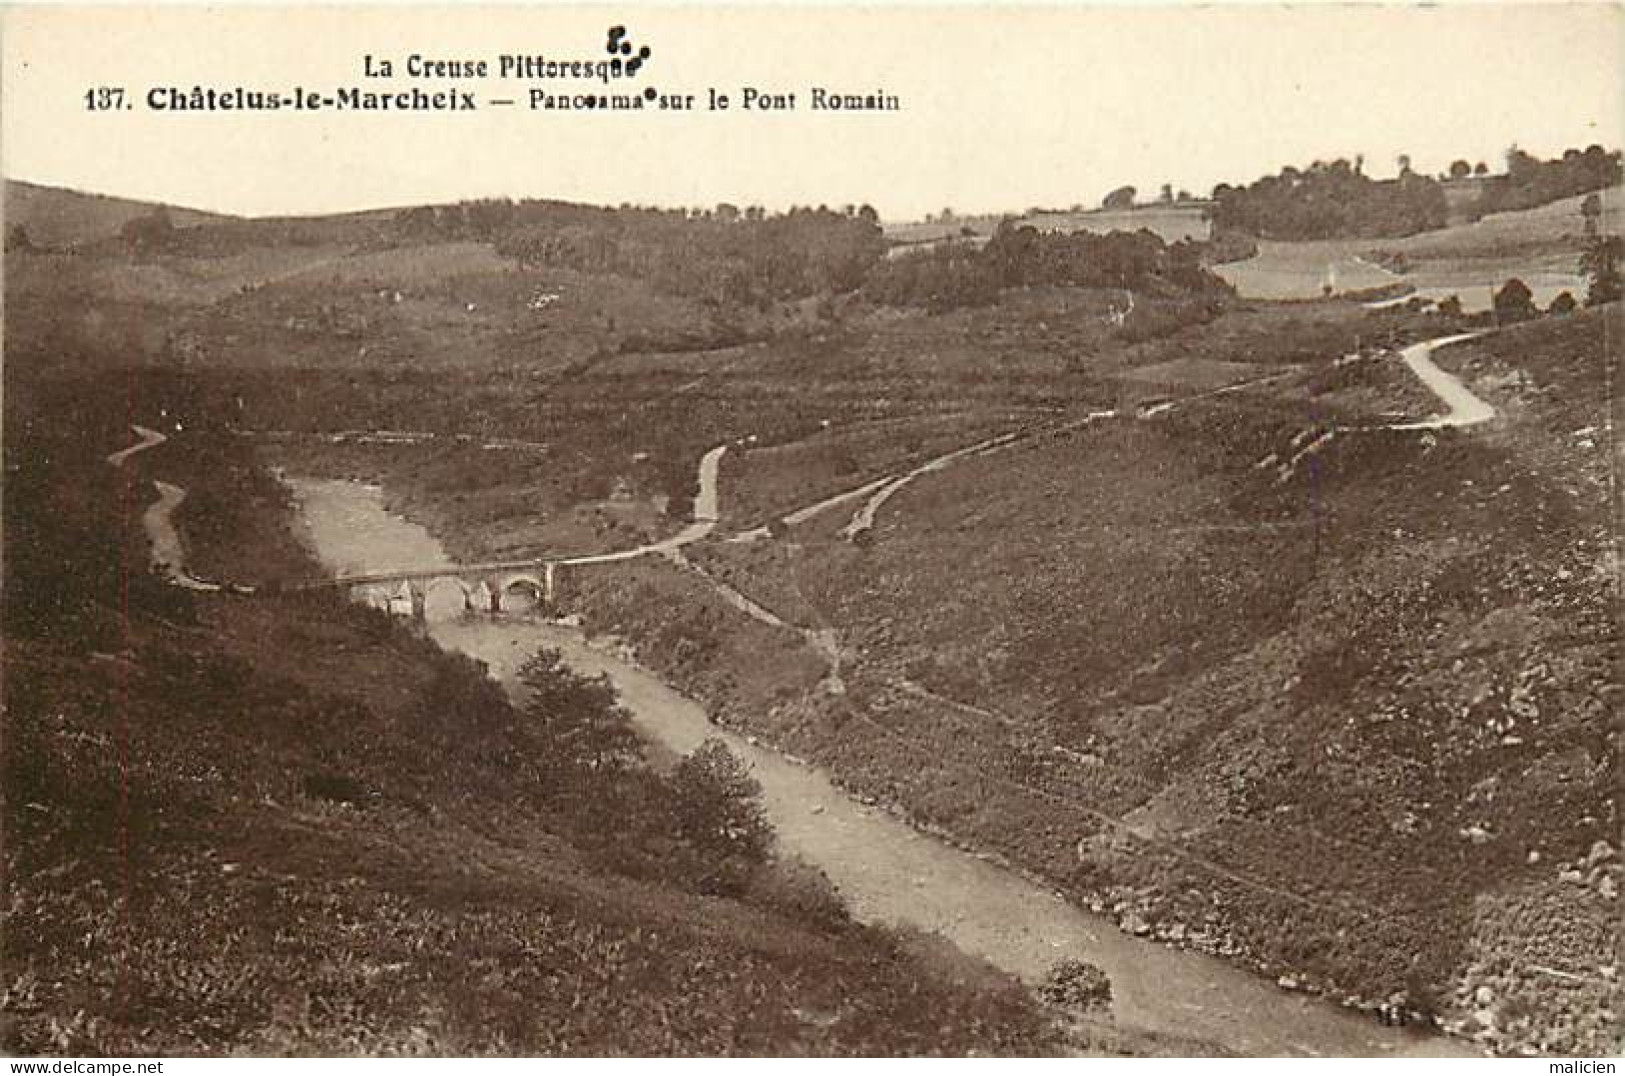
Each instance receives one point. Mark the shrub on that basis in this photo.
(1075, 984)
(1514, 302)
(802, 890)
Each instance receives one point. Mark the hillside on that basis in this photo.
(54, 217)
(290, 826)
(1338, 713)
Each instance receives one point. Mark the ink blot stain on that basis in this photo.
(649, 94)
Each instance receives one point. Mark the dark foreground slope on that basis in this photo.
(267, 826)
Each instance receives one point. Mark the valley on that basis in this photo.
(1066, 595)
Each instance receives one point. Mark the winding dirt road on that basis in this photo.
(149, 439)
(1462, 407)
(168, 553)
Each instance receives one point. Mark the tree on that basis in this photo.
(1563, 304)
(1121, 198)
(1404, 164)
(17, 238)
(1514, 302)
(153, 230)
(1167, 194)
(1450, 306)
(719, 813)
(587, 731)
(1591, 213)
(1600, 265)
(1481, 169)
(1460, 169)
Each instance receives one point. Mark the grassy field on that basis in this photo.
(1539, 246)
(1173, 222)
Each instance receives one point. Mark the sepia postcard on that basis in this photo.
(665, 530)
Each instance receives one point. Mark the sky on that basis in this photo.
(1003, 108)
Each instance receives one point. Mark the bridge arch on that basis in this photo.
(442, 590)
(531, 584)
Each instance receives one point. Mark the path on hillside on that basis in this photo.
(149, 439)
(885, 489)
(1463, 408)
(703, 520)
(168, 554)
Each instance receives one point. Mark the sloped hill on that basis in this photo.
(288, 826)
(56, 217)
(1554, 228)
(1336, 707)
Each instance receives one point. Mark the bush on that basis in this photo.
(1514, 302)
(802, 890)
(1074, 984)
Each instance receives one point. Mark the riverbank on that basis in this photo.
(890, 872)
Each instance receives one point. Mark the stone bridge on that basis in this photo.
(483, 588)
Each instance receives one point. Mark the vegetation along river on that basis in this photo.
(885, 870)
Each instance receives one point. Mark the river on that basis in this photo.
(885, 870)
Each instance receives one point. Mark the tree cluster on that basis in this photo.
(1330, 200)
(955, 275)
(1531, 182)
(705, 818)
(725, 256)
